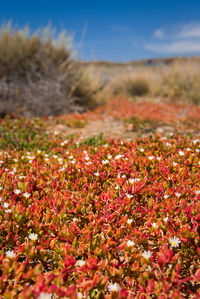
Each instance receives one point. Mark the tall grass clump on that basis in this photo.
(38, 75)
(129, 86)
(181, 83)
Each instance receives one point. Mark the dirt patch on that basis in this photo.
(110, 127)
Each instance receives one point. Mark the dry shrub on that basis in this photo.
(177, 81)
(182, 83)
(129, 86)
(38, 76)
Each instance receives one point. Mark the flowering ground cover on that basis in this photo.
(98, 218)
(181, 117)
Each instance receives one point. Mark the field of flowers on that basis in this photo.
(98, 218)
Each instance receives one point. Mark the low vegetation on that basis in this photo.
(97, 218)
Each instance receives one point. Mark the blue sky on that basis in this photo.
(115, 30)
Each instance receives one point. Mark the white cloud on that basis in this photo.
(189, 31)
(159, 33)
(176, 47)
(179, 39)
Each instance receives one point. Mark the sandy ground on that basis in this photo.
(110, 127)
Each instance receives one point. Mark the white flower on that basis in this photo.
(5, 205)
(64, 142)
(10, 254)
(174, 163)
(141, 150)
(30, 157)
(45, 296)
(118, 157)
(181, 153)
(129, 195)
(197, 192)
(97, 173)
(166, 196)
(8, 211)
(129, 221)
(170, 266)
(149, 268)
(166, 219)
(131, 181)
(26, 194)
(87, 158)
(109, 156)
(79, 295)
(177, 194)
(80, 263)
(174, 242)
(17, 191)
(196, 140)
(130, 243)
(151, 157)
(154, 225)
(188, 149)
(114, 287)
(105, 162)
(33, 236)
(168, 144)
(146, 255)
(117, 187)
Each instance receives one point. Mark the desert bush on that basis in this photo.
(138, 87)
(182, 86)
(176, 82)
(38, 75)
(130, 87)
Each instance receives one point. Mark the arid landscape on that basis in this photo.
(99, 174)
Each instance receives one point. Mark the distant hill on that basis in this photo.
(147, 62)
